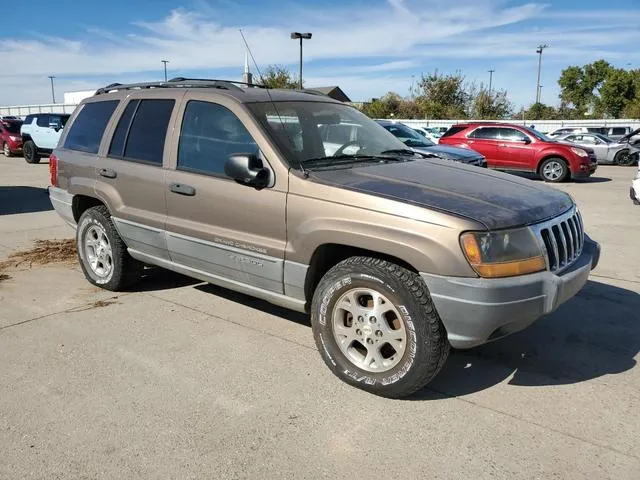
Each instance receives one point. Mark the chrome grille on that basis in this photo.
(562, 239)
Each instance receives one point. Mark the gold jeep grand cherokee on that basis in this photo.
(396, 255)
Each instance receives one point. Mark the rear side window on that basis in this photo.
(145, 136)
(453, 130)
(28, 119)
(618, 131)
(487, 133)
(87, 129)
(120, 136)
(43, 120)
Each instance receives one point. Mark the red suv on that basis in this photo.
(517, 148)
(10, 139)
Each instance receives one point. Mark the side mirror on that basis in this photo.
(247, 169)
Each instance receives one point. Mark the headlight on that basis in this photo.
(579, 152)
(14, 139)
(503, 254)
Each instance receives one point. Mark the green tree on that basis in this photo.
(616, 92)
(538, 111)
(392, 105)
(491, 105)
(278, 76)
(444, 96)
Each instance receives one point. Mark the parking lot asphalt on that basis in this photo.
(180, 379)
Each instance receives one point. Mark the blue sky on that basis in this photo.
(368, 47)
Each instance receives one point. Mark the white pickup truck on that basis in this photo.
(40, 134)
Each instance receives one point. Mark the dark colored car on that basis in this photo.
(415, 141)
(517, 148)
(10, 138)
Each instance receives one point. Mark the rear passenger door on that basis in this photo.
(130, 177)
(483, 141)
(215, 225)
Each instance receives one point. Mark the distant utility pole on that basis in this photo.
(540, 93)
(490, 79)
(53, 91)
(165, 68)
(301, 36)
(539, 52)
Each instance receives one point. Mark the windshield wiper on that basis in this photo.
(407, 151)
(353, 159)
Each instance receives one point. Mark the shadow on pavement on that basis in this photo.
(534, 177)
(21, 199)
(597, 333)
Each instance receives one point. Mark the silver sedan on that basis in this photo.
(606, 149)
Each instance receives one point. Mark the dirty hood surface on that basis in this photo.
(497, 200)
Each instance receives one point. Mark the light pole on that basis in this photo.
(53, 91)
(165, 68)
(301, 36)
(490, 79)
(539, 52)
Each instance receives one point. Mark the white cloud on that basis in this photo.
(380, 41)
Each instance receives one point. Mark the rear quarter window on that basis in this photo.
(89, 126)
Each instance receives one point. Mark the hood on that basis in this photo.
(629, 135)
(452, 153)
(497, 200)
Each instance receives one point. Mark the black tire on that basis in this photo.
(558, 176)
(426, 349)
(6, 150)
(30, 152)
(125, 270)
(623, 159)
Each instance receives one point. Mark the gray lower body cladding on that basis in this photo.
(478, 310)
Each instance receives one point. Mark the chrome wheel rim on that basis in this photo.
(552, 170)
(369, 330)
(98, 251)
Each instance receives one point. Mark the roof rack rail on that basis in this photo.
(178, 82)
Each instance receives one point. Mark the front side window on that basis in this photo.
(512, 135)
(408, 136)
(210, 134)
(87, 129)
(618, 131)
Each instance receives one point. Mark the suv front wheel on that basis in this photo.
(102, 254)
(30, 152)
(376, 327)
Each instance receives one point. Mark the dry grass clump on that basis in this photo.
(44, 252)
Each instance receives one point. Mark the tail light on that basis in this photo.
(53, 169)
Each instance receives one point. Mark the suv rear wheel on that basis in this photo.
(102, 253)
(30, 152)
(554, 170)
(376, 327)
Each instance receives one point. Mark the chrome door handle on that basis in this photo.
(182, 189)
(107, 172)
(503, 145)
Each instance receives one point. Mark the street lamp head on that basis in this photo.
(297, 35)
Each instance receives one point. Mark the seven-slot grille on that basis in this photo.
(563, 239)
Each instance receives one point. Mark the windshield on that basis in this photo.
(538, 135)
(604, 138)
(305, 131)
(408, 135)
(12, 127)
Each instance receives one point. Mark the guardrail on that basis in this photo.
(24, 110)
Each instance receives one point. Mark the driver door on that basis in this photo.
(215, 225)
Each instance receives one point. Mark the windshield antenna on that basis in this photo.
(267, 88)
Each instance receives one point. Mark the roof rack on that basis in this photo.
(178, 82)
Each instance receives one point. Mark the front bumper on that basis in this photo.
(634, 192)
(479, 310)
(585, 171)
